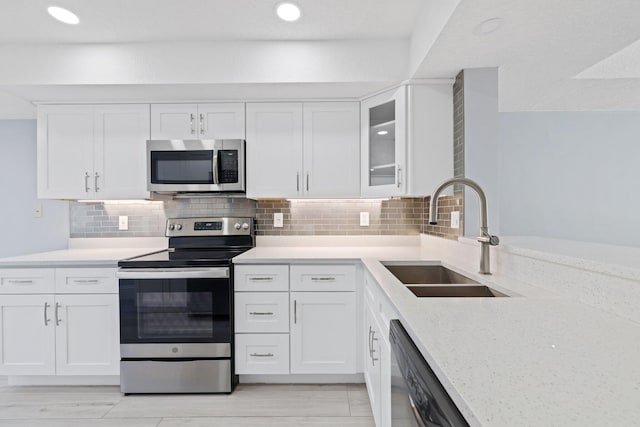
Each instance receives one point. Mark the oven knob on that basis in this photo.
(237, 226)
(171, 226)
(178, 227)
(245, 226)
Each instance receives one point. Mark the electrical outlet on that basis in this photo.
(37, 211)
(364, 219)
(455, 219)
(278, 220)
(123, 222)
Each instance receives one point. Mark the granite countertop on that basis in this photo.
(537, 358)
(78, 257)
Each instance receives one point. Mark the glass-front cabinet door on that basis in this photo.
(383, 120)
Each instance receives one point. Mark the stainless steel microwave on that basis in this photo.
(176, 165)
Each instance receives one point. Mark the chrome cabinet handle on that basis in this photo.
(399, 175)
(56, 314)
(373, 350)
(46, 318)
(86, 182)
(261, 354)
(261, 279)
(85, 281)
(191, 120)
(20, 282)
(261, 313)
(369, 341)
(307, 181)
(298, 182)
(95, 184)
(295, 312)
(323, 279)
(201, 124)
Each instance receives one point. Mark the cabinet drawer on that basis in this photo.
(27, 280)
(262, 311)
(262, 353)
(86, 281)
(326, 278)
(262, 278)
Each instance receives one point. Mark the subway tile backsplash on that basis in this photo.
(405, 216)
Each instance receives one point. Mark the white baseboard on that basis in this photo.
(97, 380)
(303, 379)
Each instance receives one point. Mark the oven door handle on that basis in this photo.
(174, 273)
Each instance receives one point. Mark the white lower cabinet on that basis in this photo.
(310, 330)
(27, 335)
(262, 354)
(323, 332)
(377, 354)
(59, 334)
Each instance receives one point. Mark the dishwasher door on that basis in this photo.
(417, 397)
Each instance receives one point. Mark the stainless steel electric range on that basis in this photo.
(176, 309)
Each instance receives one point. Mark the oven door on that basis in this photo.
(189, 307)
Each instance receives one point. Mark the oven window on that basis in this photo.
(182, 167)
(175, 310)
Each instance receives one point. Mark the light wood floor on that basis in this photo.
(250, 405)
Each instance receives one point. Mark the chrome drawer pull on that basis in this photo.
(85, 280)
(260, 313)
(261, 279)
(261, 355)
(20, 282)
(323, 279)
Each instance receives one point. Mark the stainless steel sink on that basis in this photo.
(427, 274)
(448, 291)
(436, 281)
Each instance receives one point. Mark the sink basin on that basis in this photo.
(427, 274)
(448, 291)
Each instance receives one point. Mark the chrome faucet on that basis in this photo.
(485, 238)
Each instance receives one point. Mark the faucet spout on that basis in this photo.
(485, 238)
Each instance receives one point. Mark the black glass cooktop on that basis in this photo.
(182, 258)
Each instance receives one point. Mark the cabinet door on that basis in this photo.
(174, 121)
(323, 332)
(332, 149)
(221, 121)
(27, 335)
(274, 150)
(65, 151)
(383, 143)
(372, 368)
(121, 134)
(87, 335)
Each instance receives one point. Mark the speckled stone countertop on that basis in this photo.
(74, 258)
(535, 359)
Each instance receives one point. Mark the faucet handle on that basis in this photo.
(488, 238)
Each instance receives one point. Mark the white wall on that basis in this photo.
(481, 150)
(21, 232)
(571, 175)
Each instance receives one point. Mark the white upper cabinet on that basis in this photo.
(121, 132)
(383, 143)
(198, 121)
(331, 149)
(274, 150)
(92, 151)
(297, 150)
(65, 151)
(407, 140)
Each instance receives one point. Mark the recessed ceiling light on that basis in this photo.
(489, 26)
(288, 12)
(63, 15)
(383, 132)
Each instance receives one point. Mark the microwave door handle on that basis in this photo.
(215, 166)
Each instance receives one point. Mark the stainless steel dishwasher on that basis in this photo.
(417, 397)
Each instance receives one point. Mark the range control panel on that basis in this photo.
(181, 227)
